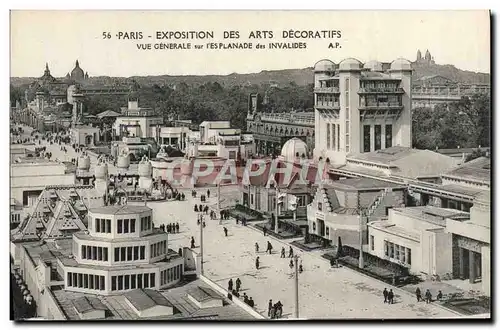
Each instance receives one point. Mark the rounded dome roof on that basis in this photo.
(350, 64)
(375, 66)
(292, 148)
(401, 64)
(324, 65)
(77, 72)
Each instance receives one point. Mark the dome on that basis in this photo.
(77, 73)
(401, 64)
(374, 66)
(84, 163)
(293, 149)
(324, 65)
(350, 64)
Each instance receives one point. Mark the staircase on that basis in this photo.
(374, 205)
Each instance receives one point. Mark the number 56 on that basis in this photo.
(106, 35)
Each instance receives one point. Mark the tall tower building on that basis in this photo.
(361, 108)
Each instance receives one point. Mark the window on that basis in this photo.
(133, 278)
(366, 138)
(117, 254)
(386, 248)
(132, 225)
(119, 229)
(129, 253)
(120, 282)
(388, 136)
(92, 282)
(338, 137)
(146, 280)
(328, 231)
(328, 142)
(152, 280)
(84, 252)
(125, 226)
(251, 199)
(80, 280)
(378, 137)
(105, 253)
(102, 283)
(408, 261)
(123, 254)
(113, 283)
(334, 140)
(69, 277)
(139, 281)
(391, 250)
(314, 226)
(98, 225)
(75, 279)
(108, 226)
(127, 282)
(372, 243)
(320, 206)
(103, 225)
(396, 251)
(136, 253)
(142, 252)
(94, 253)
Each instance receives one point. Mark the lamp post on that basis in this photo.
(201, 243)
(361, 215)
(296, 258)
(277, 209)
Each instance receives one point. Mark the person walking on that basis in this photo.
(245, 298)
(257, 263)
(386, 294)
(439, 295)
(290, 252)
(264, 230)
(282, 252)
(256, 247)
(192, 242)
(177, 227)
(269, 248)
(390, 297)
(208, 193)
(225, 231)
(238, 284)
(418, 293)
(251, 303)
(428, 296)
(291, 264)
(269, 307)
(230, 285)
(301, 269)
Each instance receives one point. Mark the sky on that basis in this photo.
(460, 38)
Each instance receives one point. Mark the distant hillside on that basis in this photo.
(280, 77)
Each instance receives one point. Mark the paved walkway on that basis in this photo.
(323, 292)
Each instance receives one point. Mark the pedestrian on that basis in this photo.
(439, 295)
(291, 264)
(235, 293)
(204, 225)
(279, 309)
(238, 284)
(257, 263)
(251, 303)
(245, 298)
(225, 231)
(269, 247)
(386, 294)
(230, 285)
(200, 208)
(177, 227)
(168, 228)
(273, 312)
(195, 208)
(206, 209)
(301, 269)
(418, 293)
(269, 307)
(256, 247)
(208, 193)
(428, 296)
(264, 230)
(282, 252)
(390, 297)
(221, 213)
(290, 252)
(192, 242)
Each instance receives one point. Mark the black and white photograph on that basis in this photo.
(250, 165)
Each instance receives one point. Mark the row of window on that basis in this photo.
(146, 223)
(398, 252)
(125, 226)
(333, 136)
(379, 84)
(170, 275)
(157, 249)
(133, 281)
(15, 217)
(130, 253)
(378, 137)
(86, 281)
(327, 99)
(94, 253)
(102, 225)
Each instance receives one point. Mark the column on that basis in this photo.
(372, 137)
(461, 263)
(472, 266)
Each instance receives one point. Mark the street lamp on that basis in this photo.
(296, 258)
(200, 216)
(361, 216)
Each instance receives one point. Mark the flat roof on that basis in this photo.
(120, 209)
(363, 183)
(143, 299)
(202, 293)
(478, 169)
(184, 308)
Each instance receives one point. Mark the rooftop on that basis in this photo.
(203, 294)
(184, 308)
(88, 304)
(434, 215)
(478, 169)
(363, 183)
(120, 209)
